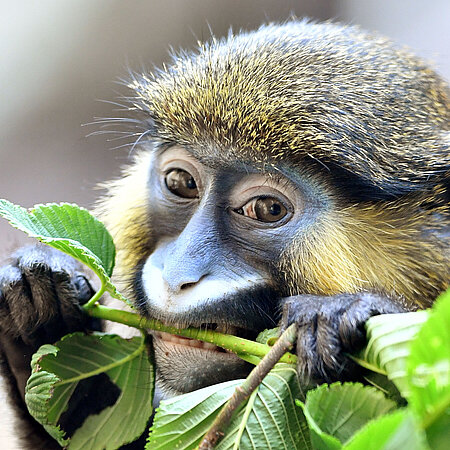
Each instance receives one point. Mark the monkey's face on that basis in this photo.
(305, 146)
(218, 235)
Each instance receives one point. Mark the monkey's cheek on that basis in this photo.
(182, 368)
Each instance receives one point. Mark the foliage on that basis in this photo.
(270, 418)
(412, 350)
(59, 369)
(71, 229)
(336, 412)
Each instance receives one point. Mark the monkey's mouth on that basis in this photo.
(185, 364)
(190, 342)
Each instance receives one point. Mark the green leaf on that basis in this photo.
(387, 350)
(271, 419)
(71, 229)
(335, 412)
(391, 432)
(181, 422)
(57, 371)
(270, 415)
(269, 336)
(383, 384)
(429, 374)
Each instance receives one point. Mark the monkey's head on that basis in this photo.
(297, 159)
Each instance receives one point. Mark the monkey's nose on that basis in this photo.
(176, 284)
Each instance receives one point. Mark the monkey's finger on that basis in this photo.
(328, 346)
(306, 348)
(352, 331)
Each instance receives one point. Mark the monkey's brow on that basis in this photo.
(280, 180)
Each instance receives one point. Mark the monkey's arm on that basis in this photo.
(330, 327)
(41, 293)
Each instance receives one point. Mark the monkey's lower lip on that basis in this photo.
(179, 340)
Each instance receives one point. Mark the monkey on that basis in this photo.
(298, 173)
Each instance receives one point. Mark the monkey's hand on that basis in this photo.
(330, 327)
(41, 290)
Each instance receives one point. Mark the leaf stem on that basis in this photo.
(237, 345)
(95, 298)
(243, 392)
(248, 410)
(367, 365)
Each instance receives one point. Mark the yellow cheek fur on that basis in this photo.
(123, 209)
(377, 247)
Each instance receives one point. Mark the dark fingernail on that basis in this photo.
(85, 291)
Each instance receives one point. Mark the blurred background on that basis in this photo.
(59, 58)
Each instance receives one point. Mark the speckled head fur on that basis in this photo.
(372, 119)
(303, 91)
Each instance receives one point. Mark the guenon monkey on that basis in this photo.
(297, 173)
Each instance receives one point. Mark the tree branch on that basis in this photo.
(243, 392)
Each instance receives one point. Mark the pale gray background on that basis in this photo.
(58, 57)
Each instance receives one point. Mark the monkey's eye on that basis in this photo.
(181, 183)
(264, 209)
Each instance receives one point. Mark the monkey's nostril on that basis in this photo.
(190, 283)
(175, 285)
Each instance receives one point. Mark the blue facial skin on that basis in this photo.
(205, 238)
(214, 216)
(210, 264)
